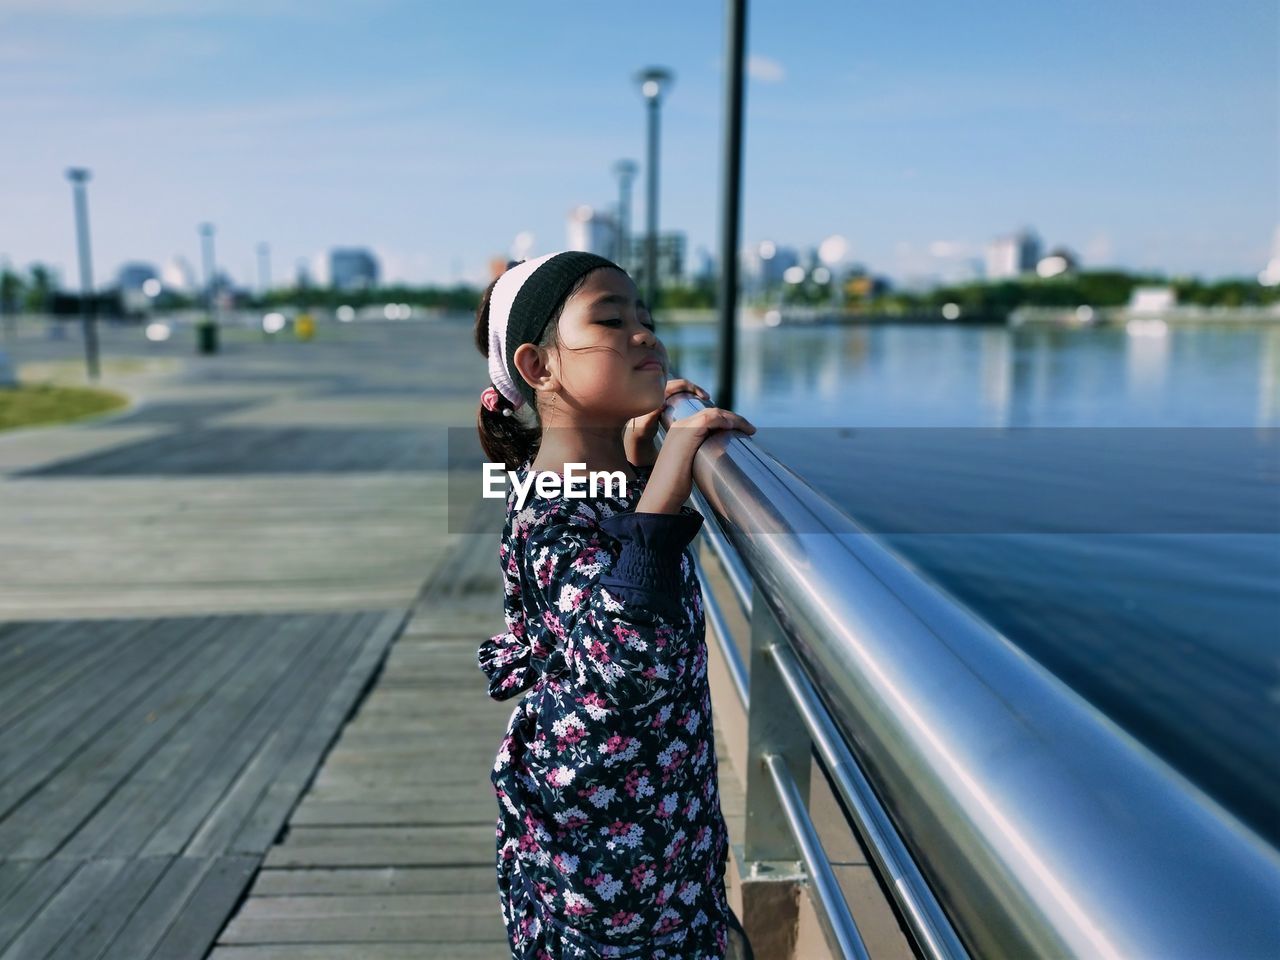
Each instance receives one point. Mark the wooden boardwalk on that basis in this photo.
(146, 766)
(391, 854)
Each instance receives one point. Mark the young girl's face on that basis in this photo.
(605, 335)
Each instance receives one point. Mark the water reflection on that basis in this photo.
(1172, 635)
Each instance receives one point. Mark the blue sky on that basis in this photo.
(1138, 134)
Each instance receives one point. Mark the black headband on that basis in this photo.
(537, 297)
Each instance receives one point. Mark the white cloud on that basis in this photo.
(764, 69)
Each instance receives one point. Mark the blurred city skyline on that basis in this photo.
(1140, 137)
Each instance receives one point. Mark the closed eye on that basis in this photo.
(619, 320)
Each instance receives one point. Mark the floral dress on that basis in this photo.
(610, 837)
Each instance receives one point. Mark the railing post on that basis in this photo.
(774, 873)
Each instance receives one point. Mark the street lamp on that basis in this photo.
(207, 331)
(625, 171)
(654, 82)
(79, 176)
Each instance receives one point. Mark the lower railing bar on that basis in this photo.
(714, 615)
(929, 925)
(828, 897)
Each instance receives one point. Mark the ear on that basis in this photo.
(534, 364)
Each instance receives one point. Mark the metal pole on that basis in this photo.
(625, 170)
(731, 199)
(651, 213)
(88, 319)
(208, 336)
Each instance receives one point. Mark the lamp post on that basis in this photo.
(207, 332)
(654, 82)
(79, 176)
(625, 171)
(731, 197)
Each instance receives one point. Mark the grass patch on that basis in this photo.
(29, 406)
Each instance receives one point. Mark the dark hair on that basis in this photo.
(510, 439)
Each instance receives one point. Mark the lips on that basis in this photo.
(655, 364)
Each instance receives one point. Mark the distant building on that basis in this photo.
(1012, 255)
(670, 259)
(138, 283)
(352, 269)
(1152, 299)
(765, 263)
(133, 276)
(593, 231)
(704, 266)
(178, 275)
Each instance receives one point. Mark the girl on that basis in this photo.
(610, 837)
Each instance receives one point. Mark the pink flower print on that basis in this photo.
(617, 744)
(542, 569)
(576, 905)
(623, 634)
(527, 843)
(642, 875)
(598, 651)
(621, 918)
(619, 828)
(553, 624)
(670, 921)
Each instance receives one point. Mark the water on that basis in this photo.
(1145, 573)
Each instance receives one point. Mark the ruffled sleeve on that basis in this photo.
(506, 658)
(618, 623)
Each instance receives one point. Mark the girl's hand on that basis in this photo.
(671, 480)
(644, 429)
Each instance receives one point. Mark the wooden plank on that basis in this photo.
(470, 804)
(59, 734)
(318, 733)
(13, 874)
(417, 929)
(196, 927)
(139, 810)
(258, 758)
(159, 909)
(62, 910)
(30, 647)
(88, 647)
(375, 881)
(487, 950)
(450, 845)
(113, 904)
(40, 825)
(478, 904)
(29, 899)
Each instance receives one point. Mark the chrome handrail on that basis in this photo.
(1043, 828)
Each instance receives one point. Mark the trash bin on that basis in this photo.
(207, 337)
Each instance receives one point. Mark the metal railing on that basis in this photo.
(1005, 815)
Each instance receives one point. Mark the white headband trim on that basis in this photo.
(501, 301)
